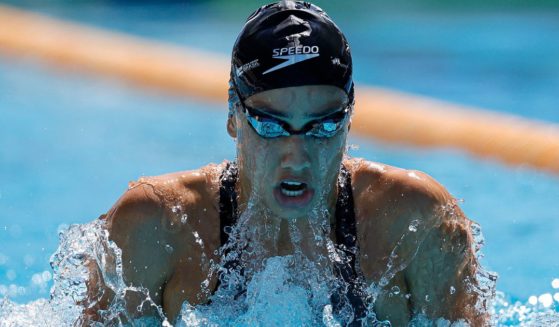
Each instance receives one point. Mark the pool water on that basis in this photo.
(69, 143)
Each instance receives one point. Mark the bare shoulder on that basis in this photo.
(390, 200)
(372, 180)
(160, 219)
(166, 201)
(389, 203)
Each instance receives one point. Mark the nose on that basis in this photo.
(295, 154)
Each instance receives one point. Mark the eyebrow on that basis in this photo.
(326, 114)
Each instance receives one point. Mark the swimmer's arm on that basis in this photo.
(411, 222)
(134, 224)
(441, 276)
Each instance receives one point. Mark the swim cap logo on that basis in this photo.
(293, 55)
(246, 67)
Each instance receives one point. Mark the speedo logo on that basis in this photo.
(293, 55)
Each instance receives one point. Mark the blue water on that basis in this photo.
(69, 143)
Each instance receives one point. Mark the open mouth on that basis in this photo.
(292, 188)
(293, 194)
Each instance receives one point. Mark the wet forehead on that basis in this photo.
(299, 102)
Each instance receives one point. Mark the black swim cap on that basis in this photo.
(289, 43)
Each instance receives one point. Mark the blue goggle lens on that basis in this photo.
(269, 127)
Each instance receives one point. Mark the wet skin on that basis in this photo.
(435, 253)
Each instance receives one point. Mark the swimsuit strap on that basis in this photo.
(228, 214)
(227, 200)
(346, 239)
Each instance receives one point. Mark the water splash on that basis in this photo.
(84, 258)
(291, 289)
(506, 312)
(288, 291)
(485, 284)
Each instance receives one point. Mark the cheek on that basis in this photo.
(328, 157)
(254, 154)
(330, 151)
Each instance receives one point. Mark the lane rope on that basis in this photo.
(380, 113)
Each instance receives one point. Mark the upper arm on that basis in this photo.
(395, 209)
(135, 224)
(416, 238)
(157, 225)
(440, 275)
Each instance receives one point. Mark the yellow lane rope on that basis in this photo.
(168, 67)
(397, 117)
(381, 114)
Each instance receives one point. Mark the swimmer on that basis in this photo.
(291, 98)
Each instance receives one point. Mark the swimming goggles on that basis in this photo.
(271, 127)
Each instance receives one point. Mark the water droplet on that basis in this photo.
(395, 290)
(46, 275)
(546, 300)
(383, 281)
(353, 147)
(452, 290)
(184, 218)
(427, 298)
(169, 249)
(413, 225)
(408, 296)
(61, 229)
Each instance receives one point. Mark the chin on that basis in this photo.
(293, 214)
(290, 208)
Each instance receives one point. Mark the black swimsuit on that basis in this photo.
(345, 237)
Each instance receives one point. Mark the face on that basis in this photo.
(295, 170)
